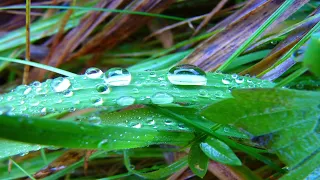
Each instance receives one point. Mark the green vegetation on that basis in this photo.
(114, 95)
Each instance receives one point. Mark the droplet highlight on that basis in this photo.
(187, 75)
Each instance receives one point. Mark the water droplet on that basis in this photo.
(162, 98)
(27, 91)
(151, 122)
(136, 125)
(97, 101)
(68, 93)
(36, 84)
(226, 81)
(117, 77)
(153, 74)
(93, 73)
(203, 93)
(273, 42)
(297, 54)
(181, 126)
(96, 120)
(234, 76)
(168, 122)
(60, 84)
(135, 90)
(10, 98)
(5, 110)
(103, 89)
(125, 101)
(43, 111)
(239, 80)
(187, 75)
(102, 143)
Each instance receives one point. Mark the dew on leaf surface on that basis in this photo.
(162, 98)
(187, 75)
(93, 73)
(117, 77)
(60, 84)
(125, 101)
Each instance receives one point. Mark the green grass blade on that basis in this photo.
(38, 65)
(197, 160)
(256, 34)
(85, 135)
(96, 9)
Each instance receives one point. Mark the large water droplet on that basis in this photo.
(162, 98)
(96, 120)
(93, 73)
(103, 143)
(36, 84)
(103, 89)
(125, 101)
(187, 75)
(239, 80)
(117, 77)
(60, 84)
(27, 91)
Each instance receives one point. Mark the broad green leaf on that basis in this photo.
(11, 148)
(312, 55)
(219, 151)
(197, 160)
(85, 135)
(306, 170)
(285, 121)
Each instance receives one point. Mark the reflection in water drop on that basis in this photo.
(187, 75)
(117, 77)
(93, 73)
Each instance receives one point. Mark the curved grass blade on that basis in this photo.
(11, 148)
(85, 135)
(197, 160)
(160, 173)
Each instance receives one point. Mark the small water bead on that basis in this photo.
(93, 73)
(96, 120)
(203, 93)
(5, 110)
(36, 84)
(187, 75)
(103, 143)
(296, 54)
(60, 84)
(234, 76)
(162, 98)
(118, 77)
(43, 111)
(103, 89)
(151, 122)
(41, 90)
(168, 122)
(68, 93)
(136, 125)
(153, 74)
(126, 101)
(27, 91)
(226, 81)
(97, 101)
(239, 80)
(135, 90)
(10, 98)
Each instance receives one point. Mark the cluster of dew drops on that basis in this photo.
(181, 75)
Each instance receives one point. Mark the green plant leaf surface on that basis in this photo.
(219, 151)
(312, 55)
(197, 160)
(285, 121)
(85, 135)
(11, 148)
(81, 92)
